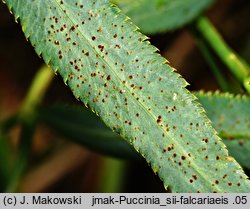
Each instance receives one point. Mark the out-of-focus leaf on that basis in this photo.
(240, 150)
(154, 16)
(230, 114)
(81, 126)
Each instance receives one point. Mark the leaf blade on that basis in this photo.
(111, 67)
(229, 113)
(162, 15)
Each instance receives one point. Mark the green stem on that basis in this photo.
(27, 117)
(36, 92)
(210, 60)
(234, 62)
(22, 157)
(112, 176)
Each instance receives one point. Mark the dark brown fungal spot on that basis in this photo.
(115, 36)
(183, 157)
(191, 181)
(229, 184)
(108, 77)
(195, 177)
(130, 77)
(72, 28)
(216, 182)
(101, 47)
(205, 140)
(93, 38)
(117, 46)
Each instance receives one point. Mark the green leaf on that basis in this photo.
(240, 149)
(154, 16)
(111, 67)
(230, 114)
(83, 127)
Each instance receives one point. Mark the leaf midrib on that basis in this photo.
(111, 66)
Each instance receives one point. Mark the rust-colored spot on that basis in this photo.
(72, 28)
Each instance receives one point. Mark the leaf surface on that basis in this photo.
(154, 16)
(82, 127)
(230, 115)
(240, 149)
(111, 68)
